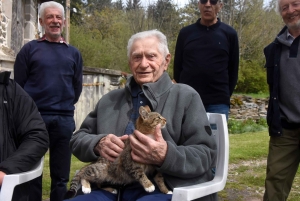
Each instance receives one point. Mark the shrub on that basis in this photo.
(248, 125)
(252, 78)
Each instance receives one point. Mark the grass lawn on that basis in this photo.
(247, 165)
(75, 165)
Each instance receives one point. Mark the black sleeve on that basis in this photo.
(31, 134)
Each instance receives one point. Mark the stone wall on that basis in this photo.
(18, 20)
(246, 107)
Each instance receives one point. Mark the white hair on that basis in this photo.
(162, 41)
(51, 4)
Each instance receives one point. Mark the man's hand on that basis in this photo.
(2, 174)
(147, 150)
(110, 147)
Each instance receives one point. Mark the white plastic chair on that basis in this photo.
(220, 131)
(12, 180)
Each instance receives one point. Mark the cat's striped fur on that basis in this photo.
(123, 170)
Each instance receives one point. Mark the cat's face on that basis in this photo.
(151, 119)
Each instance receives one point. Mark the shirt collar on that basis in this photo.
(135, 89)
(62, 40)
(289, 37)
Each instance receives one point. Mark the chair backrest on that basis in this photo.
(219, 127)
(220, 131)
(12, 180)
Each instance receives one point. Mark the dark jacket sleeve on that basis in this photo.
(32, 139)
(233, 66)
(21, 67)
(78, 77)
(178, 58)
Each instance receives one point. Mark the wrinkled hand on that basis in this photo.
(2, 174)
(110, 147)
(147, 150)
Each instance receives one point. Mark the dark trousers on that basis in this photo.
(133, 194)
(219, 108)
(35, 193)
(282, 165)
(60, 129)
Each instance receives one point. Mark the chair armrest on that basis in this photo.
(12, 180)
(199, 190)
(192, 192)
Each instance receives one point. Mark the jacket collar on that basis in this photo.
(155, 90)
(214, 26)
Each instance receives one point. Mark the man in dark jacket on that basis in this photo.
(23, 135)
(283, 72)
(207, 58)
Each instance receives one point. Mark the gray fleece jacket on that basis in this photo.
(191, 148)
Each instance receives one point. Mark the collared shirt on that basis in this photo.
(138, 99)
(62, 40)
(289, 37)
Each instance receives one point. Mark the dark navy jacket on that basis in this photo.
(272, 54)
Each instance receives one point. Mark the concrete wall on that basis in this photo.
(96, 83)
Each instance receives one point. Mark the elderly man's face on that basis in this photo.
(146, 61)
(53, 23)
(290, 12)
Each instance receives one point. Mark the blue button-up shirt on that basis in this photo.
(138, 99)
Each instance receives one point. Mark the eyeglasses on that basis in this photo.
(212, 2)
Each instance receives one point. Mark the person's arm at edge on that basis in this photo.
(31, 133)
(21, 70)
(78, 77)
(177, 67)
(233, 65)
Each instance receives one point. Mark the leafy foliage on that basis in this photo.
(252, 77)
(245, 126)
(101, 30)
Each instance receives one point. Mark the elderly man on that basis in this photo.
(184, 151)
(283, 72)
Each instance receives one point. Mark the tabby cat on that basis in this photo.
(123, 170)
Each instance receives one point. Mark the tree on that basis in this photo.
(98, 5)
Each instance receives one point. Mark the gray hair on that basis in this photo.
(51, 4)
(162, 41)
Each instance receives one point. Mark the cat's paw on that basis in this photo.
(169, 192)
(86, 190)
(115, 191)
(150, 189)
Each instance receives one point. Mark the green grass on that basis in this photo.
(258, 95)
(247, 161)
(75, 165)
(248, 146)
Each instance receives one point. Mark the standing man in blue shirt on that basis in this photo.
(207, 58)
(50, 71)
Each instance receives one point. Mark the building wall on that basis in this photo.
(18, 26)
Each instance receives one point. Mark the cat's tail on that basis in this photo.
(74, 186)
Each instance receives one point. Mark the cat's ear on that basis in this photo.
(143, 111)
(147, 108)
